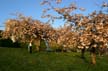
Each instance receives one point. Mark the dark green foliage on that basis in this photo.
(16, 44)
(6, 43)
(23, 45)
(1, 33)
(9, 43)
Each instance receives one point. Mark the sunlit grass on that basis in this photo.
(18, 59)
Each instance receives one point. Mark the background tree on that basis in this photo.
(23, 29)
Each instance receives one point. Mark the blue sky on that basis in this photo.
(34, 9)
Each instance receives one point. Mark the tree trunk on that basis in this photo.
(37, 43)
(93, 58)
(93, 55)
(47, 45)
(83, 52)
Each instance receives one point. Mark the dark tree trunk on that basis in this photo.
(83, 52)
(93, 55)
(30, 49)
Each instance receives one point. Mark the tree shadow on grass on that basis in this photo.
(85, 59)
(82, 58)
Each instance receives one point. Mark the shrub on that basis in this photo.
(6, 43)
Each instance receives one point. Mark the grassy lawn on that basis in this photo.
(18, 59)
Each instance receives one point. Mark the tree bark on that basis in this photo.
(37, 43)
(83, 52)
(93, 58)
(93, 55)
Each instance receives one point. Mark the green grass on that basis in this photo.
(18, 59)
